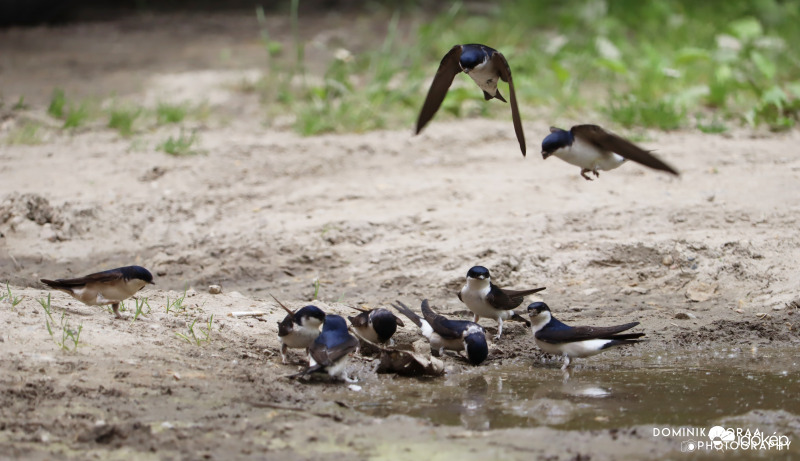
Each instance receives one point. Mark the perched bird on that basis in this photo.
(329, 352)
(592, 148)
(375, 325)
(557, 338)
(299, 329)
(107, 287)
(486, 66)
(453, 335)
(485, 299)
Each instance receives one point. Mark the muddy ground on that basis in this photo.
(705, 261)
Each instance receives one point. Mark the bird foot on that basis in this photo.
(583, 173)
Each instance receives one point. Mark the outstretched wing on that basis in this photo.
(501, 65)
(448, 69)
(621, 146)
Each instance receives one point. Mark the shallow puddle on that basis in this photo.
(693, 389)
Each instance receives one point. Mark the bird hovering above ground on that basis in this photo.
(375, 325)
(557, 338)
(486, 66)
(330, 351)
(485, 299)
(299, 329)
(592, 148)
(107, 287)
(453, 335)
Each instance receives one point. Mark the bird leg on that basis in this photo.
(284, 348)
(583, 173)
(115, 308)
(596, 173)
(566, 363)
(499, 329)
(475, 318)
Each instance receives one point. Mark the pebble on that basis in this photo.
(214, 289)
(667, 260)
(685, 316)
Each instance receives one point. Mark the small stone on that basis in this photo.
(700, 291)
(667, 260)
(685, 316)
(214, 289)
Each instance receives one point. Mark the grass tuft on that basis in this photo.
(179, 146)
(122, 119)
(170, 113)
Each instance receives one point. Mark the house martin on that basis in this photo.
(330, 351)
(375, 325)
(107, 287)
(453, 335)
(592, 148)
(557, 338)
(299, 329)
(485, 299)
(486, 66)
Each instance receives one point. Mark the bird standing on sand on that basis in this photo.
(107, 287)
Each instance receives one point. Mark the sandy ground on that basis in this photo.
(708, 258)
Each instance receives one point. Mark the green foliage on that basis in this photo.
(28, 133)
(179, 146)
(9, 297)
(192, 337)
(123, 118)
(57, 102)
(74, 114)
(60, 331)
(20, 104)
(177, 304)
(651, 64)
(139, 308)
(170, 113)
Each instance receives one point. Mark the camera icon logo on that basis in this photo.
(688, 446)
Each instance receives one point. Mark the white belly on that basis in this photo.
(437, 342)
(474, 299)
(577, 349)
(100, 294)
(300, 337)
(587, 156)
(339, 369)
(485, 77)
(367, 333)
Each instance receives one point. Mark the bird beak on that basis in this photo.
(545, 154)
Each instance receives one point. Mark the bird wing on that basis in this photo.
(506, 300)
(621, 146)
(448, 329)
(501, 65)
(448, 69)
(572, 334)
(403, 309)
(99, 277)
(325, 356)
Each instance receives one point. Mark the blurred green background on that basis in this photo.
(670, 64)
(673, 64)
